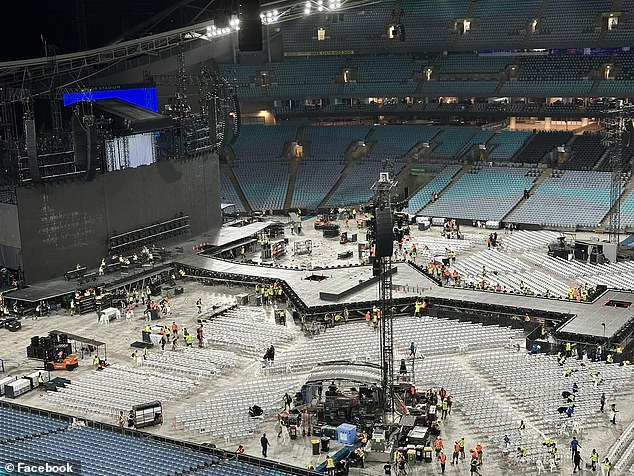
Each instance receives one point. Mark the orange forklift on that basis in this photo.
(69, 362)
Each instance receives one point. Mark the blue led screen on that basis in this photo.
(144, 97)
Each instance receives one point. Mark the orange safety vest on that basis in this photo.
(443, 457)
(438, 444)
(367, 316)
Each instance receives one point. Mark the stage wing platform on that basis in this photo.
(55, 288)
(231, 234)
(309, 290)
(587, 319)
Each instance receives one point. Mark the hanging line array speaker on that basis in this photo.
(250, 33)
(384, 233)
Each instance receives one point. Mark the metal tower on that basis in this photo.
(613, 125)
(382, 199)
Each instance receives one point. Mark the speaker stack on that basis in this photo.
(250, 33)
(384, 246)
(45, 348)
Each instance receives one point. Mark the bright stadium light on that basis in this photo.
(320, 5)
(270, 17)
(307, 9)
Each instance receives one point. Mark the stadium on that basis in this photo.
(341, 237)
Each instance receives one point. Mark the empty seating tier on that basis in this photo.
(451, 142)
(481, 194)
(423, 195)
(104, 453)
(542, 147)
(323, 162)
(260, 167)
(504, 145)
(568, 199)
(586, 151)
(16, 424)
(387, 142)
(228, 193)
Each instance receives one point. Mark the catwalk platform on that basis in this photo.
(587, 318)
(342, 285)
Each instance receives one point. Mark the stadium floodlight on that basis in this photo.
(270, 17)
(307, 8)
(320, 5)
(234, 23)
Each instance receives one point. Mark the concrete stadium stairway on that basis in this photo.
(411, 160)
(352, 156)
(228, 171)
(529, 34)
(293, 168)
(465, 168)
(544, 175)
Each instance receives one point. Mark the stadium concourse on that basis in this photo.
(206, 393)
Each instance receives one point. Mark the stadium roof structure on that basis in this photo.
(71, 69)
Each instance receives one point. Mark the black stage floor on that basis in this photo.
(55, 288)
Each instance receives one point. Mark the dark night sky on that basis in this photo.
(24, 21)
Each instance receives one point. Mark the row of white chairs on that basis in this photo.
(487, 412)
(622, 451)
(512, 274)
(194, 362)
(249, 329)
(614, 275)
(227, 414)
(524, 240)
(357, 341)
(537, 382)
(118, 388)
